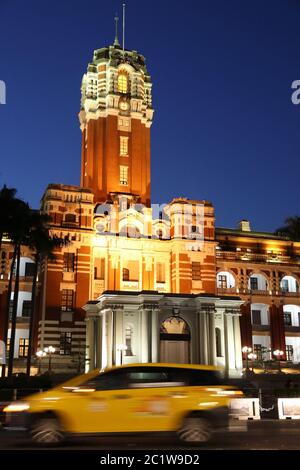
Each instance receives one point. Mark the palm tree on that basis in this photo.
(43, 245)
(7, 200)
(291, 229)
(19, 233)
(7, 315)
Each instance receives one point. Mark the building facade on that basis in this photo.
(145, 283)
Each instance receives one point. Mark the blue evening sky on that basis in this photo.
(225, 128)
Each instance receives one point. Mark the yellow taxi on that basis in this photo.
(189, 400)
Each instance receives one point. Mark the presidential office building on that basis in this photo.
(139, 283)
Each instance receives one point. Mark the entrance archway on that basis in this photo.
(175, 338)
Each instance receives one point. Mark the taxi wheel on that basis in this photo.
(195, 430)
(47, 431)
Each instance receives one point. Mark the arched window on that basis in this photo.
(289, 284)
(175, 326)
(122, 83)
(218, 343)
(225, 280)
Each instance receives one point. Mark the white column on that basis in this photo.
(229, 332)
(203, 338)
(238, 343)
(98, 342)
(119, 335)
(110, 334)
(90, 343)
(155, 336)
(212, 346)
(144, 336)
(104, 340)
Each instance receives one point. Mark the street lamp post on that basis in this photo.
(122, 348)
(49, 350)
(246, 351)
(278, 354)
(40, 354)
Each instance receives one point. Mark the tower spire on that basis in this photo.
(116, 41)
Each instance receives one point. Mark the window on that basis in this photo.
(148, 378)
(128, 340)
(256, 317)
(29, 269)
(70, 218)
(289, 352)
(67, 300)
(123, 146)
(23, 347)
(124, 175)
(69, 262)
(122, 83)
(125, 274)
(196, 272)
(160, 272)
(218, 343)
(285, 285)
(253, 283)
(287, 318)
(65, 344)
(114, 380)
(222, 281)
(26, 309)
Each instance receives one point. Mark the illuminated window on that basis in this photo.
(123, 146)
(23, 347)
(65, 343)
(122, 83)
(69, 262)
(67, 299)
(124, 175)
(289, 352)
(222, 281)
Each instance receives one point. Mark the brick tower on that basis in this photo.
(115, 117)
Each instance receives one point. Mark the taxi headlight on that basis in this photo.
(17, 406)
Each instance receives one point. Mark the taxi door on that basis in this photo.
(151, 400)
(103, 403)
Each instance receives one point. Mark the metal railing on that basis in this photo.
(254, 257)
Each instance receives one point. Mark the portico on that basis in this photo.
(142, 327)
